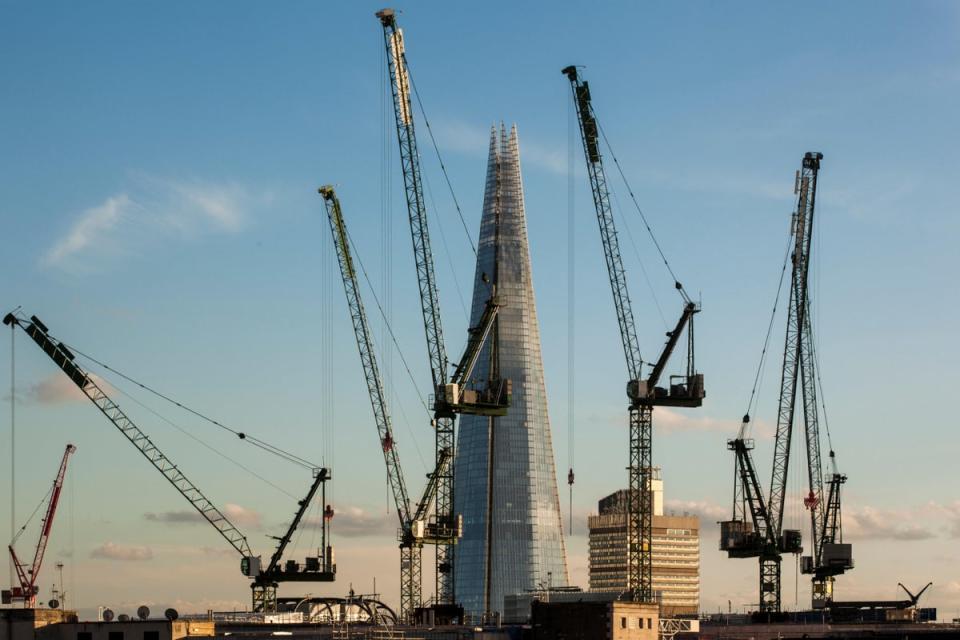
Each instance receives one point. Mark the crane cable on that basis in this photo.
(643, 217)
(20, 531)
(393, 336)
(202, 443)
(436, 150)
(766, 341)
(277, 451)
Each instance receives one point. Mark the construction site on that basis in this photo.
(484, 539)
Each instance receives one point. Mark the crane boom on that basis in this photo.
(28, 577)
(414, 530)
(64, 359)
(444, 411)
(589, 131)
(371, 371)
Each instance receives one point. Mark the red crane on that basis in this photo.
(28, 590)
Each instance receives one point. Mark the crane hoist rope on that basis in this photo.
(28, 576)
(203, 443)
(643, 393)
(415, 529)
(643, 217)
(246, 437)
(265, 580)
(763, 535)
(766, 342)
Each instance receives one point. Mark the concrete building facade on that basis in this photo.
(676, 552)
(505, 484)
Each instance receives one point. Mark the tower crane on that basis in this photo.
(28, 590)
(492, 397)
(265, 579)
(415, 529)
(763, 536)
(643, 393)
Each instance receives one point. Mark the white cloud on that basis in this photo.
(122, 552)
(151, 211)
(89, 229)
(869, 523)
(241, 516)
(670, 421)
(56, 388)
(709, 513)
(356, 522)
(174, 517)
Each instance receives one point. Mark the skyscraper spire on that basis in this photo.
(506, 486)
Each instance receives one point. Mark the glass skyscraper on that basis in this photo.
(506, 485)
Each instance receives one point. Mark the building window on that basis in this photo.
(151, 635)
(84, 635)
(115, 635)
(649, 623)
(623, 622)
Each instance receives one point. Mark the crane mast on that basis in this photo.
(264, 586)
(28, 577)
(450, 396)
(414, 530)
(643, 394)
(426, 281)
(767, 539)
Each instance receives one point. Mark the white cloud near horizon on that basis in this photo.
(151, 210)
(122, 552)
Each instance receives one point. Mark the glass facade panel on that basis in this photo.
(523, 545)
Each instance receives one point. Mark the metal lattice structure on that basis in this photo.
(410, 554)
(426, 281)
(264, 586)
(768, 540)
(642, 393)
(28, 576)
(414, 530)
(64, 359)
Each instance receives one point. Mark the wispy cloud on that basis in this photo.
(670, 421)
(709, 513)
(174, 517)
(356, 522)
(56, 388)
(240, 516)
(151, 211)
(89, 228)
(122, 552)
(869, 523)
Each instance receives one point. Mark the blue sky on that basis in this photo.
(159, 211)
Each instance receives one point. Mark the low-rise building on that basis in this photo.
(676, 551)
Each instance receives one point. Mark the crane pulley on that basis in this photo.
(265, 581)
(27, 576)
